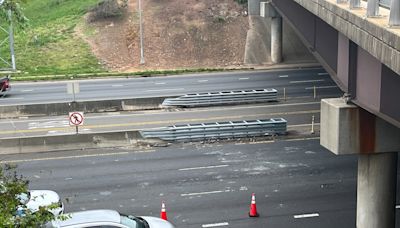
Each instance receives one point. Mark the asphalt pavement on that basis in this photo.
(297, 182)
(298, 82)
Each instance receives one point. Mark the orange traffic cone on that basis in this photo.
(253, 206)
(163, 214)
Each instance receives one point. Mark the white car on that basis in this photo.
(34, 199)
(109, 219)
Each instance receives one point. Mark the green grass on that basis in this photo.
(48, 45)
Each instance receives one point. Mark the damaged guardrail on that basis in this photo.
(220, 98)
(219, 130)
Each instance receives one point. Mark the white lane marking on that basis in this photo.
(215, 224)
(243, 78)
(307, 81)
(321, 87)
(306, 216)
(203, 167)
(323, 73)
(202, 81)
(160, 83)
(397, 206)
(283, 76)
(15, 98)
(161, 90)
(203, 193)
(117, 85)
(27, 90)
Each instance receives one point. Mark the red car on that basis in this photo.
(4, 85)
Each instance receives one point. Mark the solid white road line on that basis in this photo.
(323, 73)
(321, 87)
(160, 83)
(203, 193)
(307, 81)
(117, 85)
(202, 81)
(283, 76)
(203, 167)
(215, 224)
(306, 216)
(161, 90)
(243, 78)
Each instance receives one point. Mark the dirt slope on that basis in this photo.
(177, 34)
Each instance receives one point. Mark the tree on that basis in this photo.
(16, 10)
(12, 212)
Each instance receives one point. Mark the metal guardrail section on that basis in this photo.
(219, 130)
(219, 98)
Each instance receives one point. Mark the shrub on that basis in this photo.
(107, 9)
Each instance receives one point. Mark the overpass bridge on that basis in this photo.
(358, 43)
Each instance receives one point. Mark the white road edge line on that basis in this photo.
(307, 81)
(203, 193)
(215, 224)
(321, 87)
(306, 216)
(203, 167)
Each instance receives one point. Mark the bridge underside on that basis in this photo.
(369, 83)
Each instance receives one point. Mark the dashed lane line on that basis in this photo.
(202, 193)
(306, 216)
(215, 224)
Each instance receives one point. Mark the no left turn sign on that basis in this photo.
(76, 118)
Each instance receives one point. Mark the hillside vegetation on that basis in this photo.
(62, 38)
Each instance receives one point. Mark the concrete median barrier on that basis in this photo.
(68, 142)
(53, 109)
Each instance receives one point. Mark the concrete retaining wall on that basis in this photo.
(68, 142)
(85, 106)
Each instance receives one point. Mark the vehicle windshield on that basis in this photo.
(129, 222)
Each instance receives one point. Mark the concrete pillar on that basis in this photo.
(376, 190)
(373, 8)
(276, 39)
(253, 7)
(394, 18)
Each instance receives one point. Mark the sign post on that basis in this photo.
(76, 119)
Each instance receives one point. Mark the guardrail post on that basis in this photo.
(373, 8)
(284, 94)
(312, 124)
(394, 18)
(354, 4)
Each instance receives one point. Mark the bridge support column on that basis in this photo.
(376, 190)
(276, 39)
(348, 129)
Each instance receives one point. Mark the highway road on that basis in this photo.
(298, 82)
(296, 113)
(297, 182)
